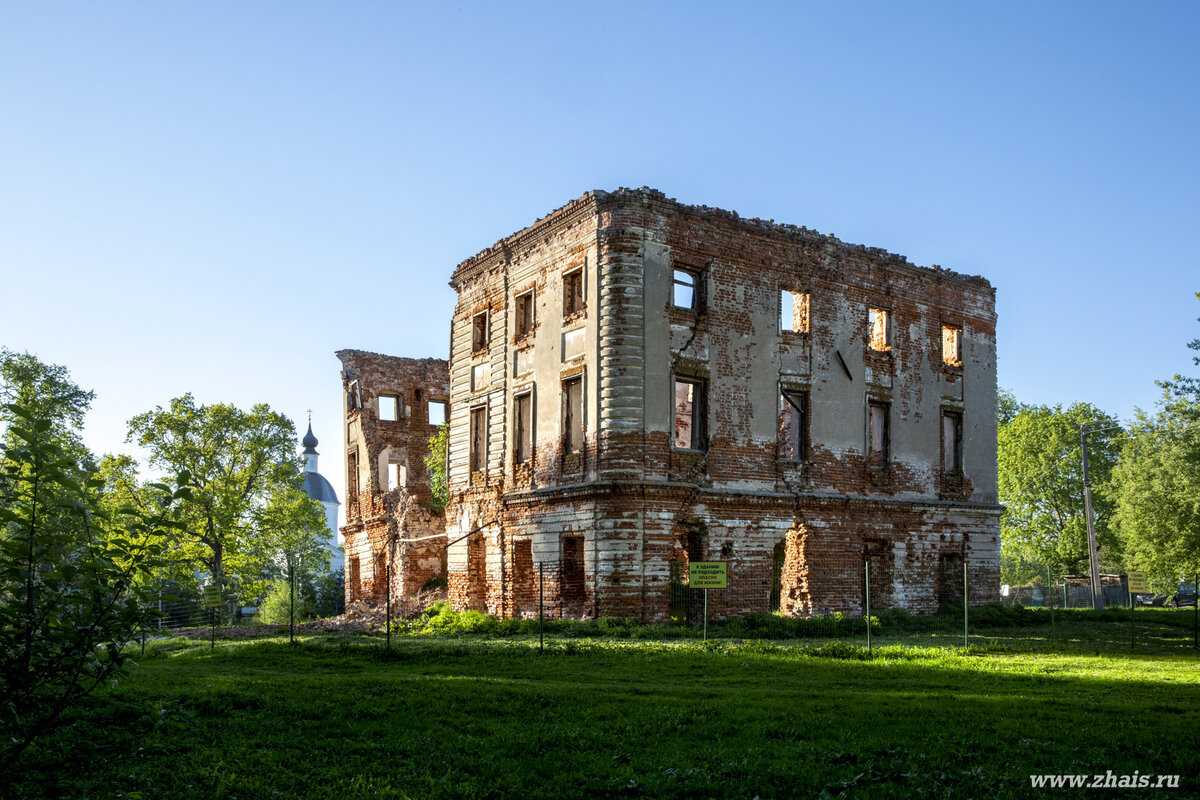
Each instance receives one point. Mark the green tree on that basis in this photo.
(1158, 513)
(1007, 407)
(71, 594)
(435, 462)
(237, 461)
(289, 544)
(47, 392)
(1041, 486)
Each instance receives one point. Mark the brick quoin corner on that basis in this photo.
(635, 384)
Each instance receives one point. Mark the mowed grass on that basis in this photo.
(475, 717)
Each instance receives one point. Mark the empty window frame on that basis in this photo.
(689, 411)
(523, 309)
(793, 425)
(878, 433)
(685, 289)
(352, 396)
(572, 414)
(437, 412)
(389, 408)
(793, 311)
(355, 579)
(879, 325)
(523, 414)
(479, 332)
(352, 472)
(397, 475)
(573, 292)
(952, 345)
(951, 442)
(479, 439)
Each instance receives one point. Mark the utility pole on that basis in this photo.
(1093, 558)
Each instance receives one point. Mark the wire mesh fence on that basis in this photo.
(1040, 616)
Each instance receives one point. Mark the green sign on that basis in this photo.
(1137, 581)
(212, 596)
(706, 575)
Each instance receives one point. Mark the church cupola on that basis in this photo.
(310, 450)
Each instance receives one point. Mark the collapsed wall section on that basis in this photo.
(393, 406)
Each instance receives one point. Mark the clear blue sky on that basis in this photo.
(216, 196)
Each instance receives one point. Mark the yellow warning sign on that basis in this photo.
(706, 575)
(1137, 581)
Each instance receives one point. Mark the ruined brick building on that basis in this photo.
(393, 406)
(635, 384)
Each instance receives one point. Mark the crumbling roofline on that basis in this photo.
(345, 354)
(593, 201)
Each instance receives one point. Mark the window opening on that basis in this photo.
(479, 439)
(479, 337)
(523, 412)
(878, 433)
(572, 292)
(437, 412)
(793, 425)
(689, 414)
(951, 442)
(879, 322)
(389, 408)
(952, 345)
(573, 414)
(684, 292)
(524, 311)
(793, 311)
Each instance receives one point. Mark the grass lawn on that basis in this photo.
(472, 716)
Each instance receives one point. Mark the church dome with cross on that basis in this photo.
(320, 489)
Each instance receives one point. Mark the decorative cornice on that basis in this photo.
(543, 228)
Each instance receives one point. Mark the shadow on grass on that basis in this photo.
(476, 717)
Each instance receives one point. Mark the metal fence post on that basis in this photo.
(706, 615)
(1132, 635)
(966, 604)
(292, 604)
(867, 576)
(541, 606)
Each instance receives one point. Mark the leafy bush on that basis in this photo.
(276, 607)
(76, 578)
(330, 590)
